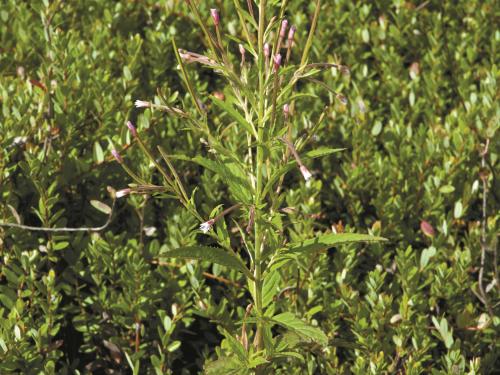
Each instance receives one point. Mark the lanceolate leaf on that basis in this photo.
(228, 108)
(329, 240)
(291, 322)
(210, 254)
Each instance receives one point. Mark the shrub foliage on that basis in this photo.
(380, 121)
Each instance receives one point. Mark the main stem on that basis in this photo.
(258, 171)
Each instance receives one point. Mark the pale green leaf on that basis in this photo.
(291, 322)
(104, 208)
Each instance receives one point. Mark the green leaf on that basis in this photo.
(226, 366)
(426, 255)
(98, 153)
(329, 240)
(447, 189)
(458, 210)
(322, 151)
(104, 208)
(270, 288)
(228, 108)
(210, 254)
(291, 322)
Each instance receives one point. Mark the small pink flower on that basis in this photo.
(277, 62)
(286, 110)
(207, 225)
(215, 16)
(291, 33)
(142, 104)
(427, 228)
(132, 128)
(117, 156)
(305, 172)
(242, 49)
(284, 25)
(123, 192)
(267, 50)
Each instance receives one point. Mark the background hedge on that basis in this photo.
(423, 103)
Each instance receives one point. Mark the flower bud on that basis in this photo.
(291, 33)
(267, 50)
(286, 110)
(215, 16)
(117, 156)
(242, 52)
(277, 62)
(284, 26)
(427, 228)
(132, 128)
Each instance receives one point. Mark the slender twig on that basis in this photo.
(64, 229)
(484, 219)
(205, 274)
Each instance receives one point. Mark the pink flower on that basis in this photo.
(142, 104)
(427, 228)
(291, 33)
(267, 50)
(277, 62)
(284, 25)
(123, 192)
(207, 225)
(215, 16)
(305, 172)
(132, 128)
(117, 156)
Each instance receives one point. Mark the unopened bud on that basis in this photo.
(284, 26)
(117, 156)
(291, 33)
(215, 16)
(242, 52)
(286, 110)
(267, 50)
(132, 128)
(277, 62)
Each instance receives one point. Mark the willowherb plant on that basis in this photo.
(251, 154)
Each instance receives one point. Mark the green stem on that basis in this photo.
(258, 170)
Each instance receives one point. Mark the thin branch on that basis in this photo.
(205, 274)
(64, 229)
(484, 179)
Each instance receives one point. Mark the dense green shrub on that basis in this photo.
(422, 105)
